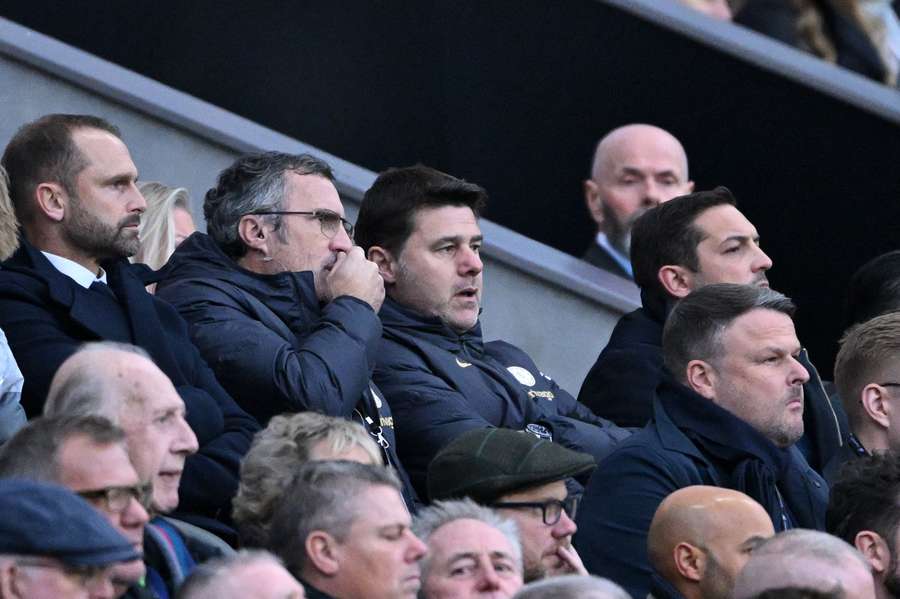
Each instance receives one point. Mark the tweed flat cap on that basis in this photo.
(48, 520)
(486, 463)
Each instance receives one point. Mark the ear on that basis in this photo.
(11, 585)
(322, 552)
(690, 561)
(254, 234)
(384, 260)
(874, 549)
(701, 377)
(52, 201)
(676, 280)
(874, 402)
(593, 201)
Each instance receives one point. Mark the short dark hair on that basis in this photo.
(866, 496)
(667, 235)
(253, 183)
(386, 216)
(42, 151)
(32, 452)
(693, 330)
(874, 289)
(310, 504)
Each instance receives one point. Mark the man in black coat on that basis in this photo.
(420, 226)
(727, 414)
(72, 183)
(279, 301)
(678, 247)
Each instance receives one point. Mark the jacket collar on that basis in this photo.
(400, 320)
(660, 588)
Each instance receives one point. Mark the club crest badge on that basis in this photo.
(522, 375)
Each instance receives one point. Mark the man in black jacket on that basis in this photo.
(279, 301)
(72, 182)
(420, 226)
(678, 247)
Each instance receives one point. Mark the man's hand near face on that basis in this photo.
(355, 276)
(571, 562)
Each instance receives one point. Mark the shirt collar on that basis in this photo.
(74, 271)
(620, 258)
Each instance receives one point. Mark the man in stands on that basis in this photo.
(420, 226)
(699, 540)
(678, 248)
(635, 168)
(805, 559)
(728, 416)
(864, 510)
(524, 478)
(120, 383)
(364, 549)
(53, 545)
(256, 574)
(72, 182)
(87, 455)
(281, 304)
(472, 552)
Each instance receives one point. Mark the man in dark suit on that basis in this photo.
(635, 168)
(72, 183)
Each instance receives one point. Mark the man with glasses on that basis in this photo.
(53, 545)
(524, 477)
(281, 304)
(88, 456)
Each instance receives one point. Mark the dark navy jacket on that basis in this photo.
(689, 441)
(442, 384)
(622, 383)
(47, 315)
(272, 346)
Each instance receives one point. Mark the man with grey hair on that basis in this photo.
(365, 549)
(257, 574)
(280, 302)
(727, 414)
(635, 168)
(472, 552)
(572, 587)
(809, 559)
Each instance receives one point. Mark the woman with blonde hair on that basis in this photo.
(165, 224)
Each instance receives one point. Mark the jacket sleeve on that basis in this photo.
(326, 370)
(12, 416)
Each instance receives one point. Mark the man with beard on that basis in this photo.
(699, 540)
(72, 182)
(279, 301)
(727, 414)
(677, 248)
(420, 227)
(635, 168)
(863, 510)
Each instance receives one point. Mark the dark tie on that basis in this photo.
(101, 287)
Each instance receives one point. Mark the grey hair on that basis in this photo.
(572, 587)
(694, 328)
(253, 183)
(83, 391)
(308, 505)
(213, 579)
(439, 513)
(809, 543)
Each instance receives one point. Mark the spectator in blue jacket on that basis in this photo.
(72, 183)
(727, 415)
(420, 226)
(279, 301)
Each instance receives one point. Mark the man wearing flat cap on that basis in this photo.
(523, 476)
(53, 544)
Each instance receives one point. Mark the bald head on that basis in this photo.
(701, 537)
(809, 559)
(635, 168)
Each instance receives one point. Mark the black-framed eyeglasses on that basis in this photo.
(116, 499)
(888, 384)
(551, 510)
(330, 222)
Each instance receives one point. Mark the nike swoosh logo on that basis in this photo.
(462, 364)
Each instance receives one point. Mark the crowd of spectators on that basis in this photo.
(292, 405)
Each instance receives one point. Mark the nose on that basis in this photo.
(564, 528)
(488, 580)
(134, 514)
(799, 374)
(186, 441)
(652, 194)
(102, 588)
(341, 242)
(136, 201)
(762, 261)
(417, 549)
(469, 261)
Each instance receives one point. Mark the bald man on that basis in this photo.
(806, 559)
(699, 540)
(635, 168)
